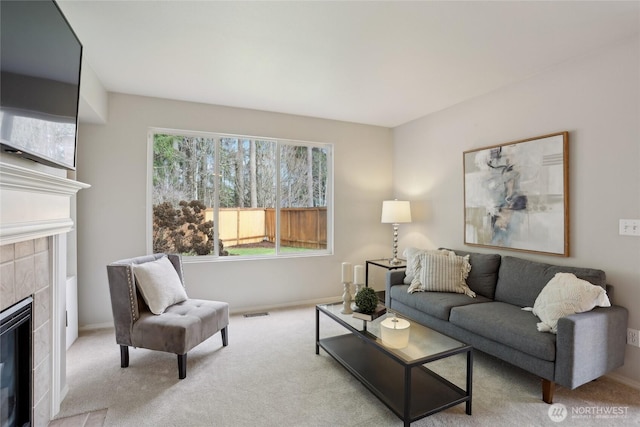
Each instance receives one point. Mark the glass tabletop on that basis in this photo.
(424, 344)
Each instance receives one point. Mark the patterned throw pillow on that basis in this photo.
(565, 294)
(440, 272)
(412, 255)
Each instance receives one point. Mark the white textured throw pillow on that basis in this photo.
(442, 273)
(159, 284)
(565, 294)
(412, 255)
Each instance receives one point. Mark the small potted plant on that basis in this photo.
(366, 300)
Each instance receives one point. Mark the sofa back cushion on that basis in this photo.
(483, 276)
(520, 280)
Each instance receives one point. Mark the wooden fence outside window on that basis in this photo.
(299, 227)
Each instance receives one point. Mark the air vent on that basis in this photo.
(264, 313)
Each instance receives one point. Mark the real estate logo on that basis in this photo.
(557, 412)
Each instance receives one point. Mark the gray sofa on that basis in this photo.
(587, 345)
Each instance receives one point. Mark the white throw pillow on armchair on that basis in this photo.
(159, 284)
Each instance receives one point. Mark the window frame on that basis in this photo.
(217, 136)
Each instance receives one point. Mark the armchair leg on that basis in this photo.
(182, 366)
(548, 387)
(225, 339)
(124, 356)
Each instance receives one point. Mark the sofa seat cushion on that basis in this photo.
(521, 281)
(507, 324)
(189, 323)
(436, 304)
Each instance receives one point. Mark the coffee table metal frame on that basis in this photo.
(395, 376)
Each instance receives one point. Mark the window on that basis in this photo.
(229, 195)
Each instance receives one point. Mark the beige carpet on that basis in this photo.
(269, 375)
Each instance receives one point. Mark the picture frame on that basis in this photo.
(516, 195)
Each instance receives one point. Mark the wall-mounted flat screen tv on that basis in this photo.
(40, 82)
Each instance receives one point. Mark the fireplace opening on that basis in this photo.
(16, 365)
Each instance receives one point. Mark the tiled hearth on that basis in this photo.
(25, 271)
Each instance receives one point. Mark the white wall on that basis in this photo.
(597, 99)
(94, 99)
(112, 213)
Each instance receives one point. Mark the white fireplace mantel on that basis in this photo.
(34, 204)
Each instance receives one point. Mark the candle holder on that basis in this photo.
(346, 299)
(358, 286)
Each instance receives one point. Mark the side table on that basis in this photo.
(384, 263)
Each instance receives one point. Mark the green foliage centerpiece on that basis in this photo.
(366, 300)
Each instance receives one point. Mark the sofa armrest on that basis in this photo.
(393, 278)
(589, 345)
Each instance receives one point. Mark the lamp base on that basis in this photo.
(395, 260)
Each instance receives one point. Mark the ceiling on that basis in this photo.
(379, 63)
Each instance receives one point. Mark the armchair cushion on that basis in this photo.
(181, 327)
(159, 284)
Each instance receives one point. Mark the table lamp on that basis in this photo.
(395, 212)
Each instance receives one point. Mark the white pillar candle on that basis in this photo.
(358, 275)
(346, 272)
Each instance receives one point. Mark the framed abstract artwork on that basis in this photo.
(516, 195)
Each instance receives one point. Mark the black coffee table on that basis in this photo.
(397, 376)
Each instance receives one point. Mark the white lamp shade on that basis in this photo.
(396, 211)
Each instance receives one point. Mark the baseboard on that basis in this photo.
(94, 326)
(624, 380)
(302, 303)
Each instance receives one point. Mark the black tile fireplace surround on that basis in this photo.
(16, 364)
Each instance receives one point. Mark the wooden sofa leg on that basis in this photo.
(124, 356)
(182, 366)
(225, 340)
(548, 387)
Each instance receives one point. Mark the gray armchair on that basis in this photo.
(181, 327)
